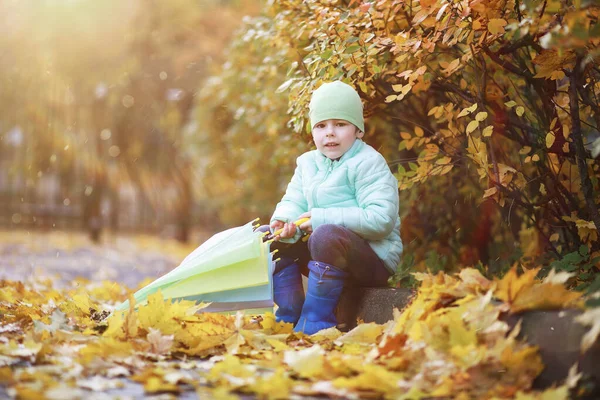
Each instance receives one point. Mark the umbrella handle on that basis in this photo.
(298, 223)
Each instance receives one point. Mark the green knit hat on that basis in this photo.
(336, 100)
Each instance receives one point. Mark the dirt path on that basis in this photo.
(66, 256)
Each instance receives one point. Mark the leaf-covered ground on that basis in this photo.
(450, 342)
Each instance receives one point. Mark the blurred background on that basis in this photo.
(97, 113)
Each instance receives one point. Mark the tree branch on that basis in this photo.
(506, 64)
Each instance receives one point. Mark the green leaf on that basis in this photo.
(591, 303)
(594, 286)
(351, 49)
(572, 258)
(326, 55)
(363, 86)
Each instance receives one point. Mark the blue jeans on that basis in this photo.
(337, 246)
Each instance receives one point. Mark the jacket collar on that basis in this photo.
(325, 162)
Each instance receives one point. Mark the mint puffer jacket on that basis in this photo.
(358, 191)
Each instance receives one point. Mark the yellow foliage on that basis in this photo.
(373, 378)
(105, 348)
(274, 386)
(525, 293)
(449, 341)
(529, 242)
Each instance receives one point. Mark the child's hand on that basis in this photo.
(276, 225)
(289, 229)
(306, 226)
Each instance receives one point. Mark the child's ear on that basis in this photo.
(359, 133)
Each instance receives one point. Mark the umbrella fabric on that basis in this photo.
(232, 270)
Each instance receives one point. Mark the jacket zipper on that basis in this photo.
(329, 169)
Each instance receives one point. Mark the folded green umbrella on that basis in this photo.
(232, 270)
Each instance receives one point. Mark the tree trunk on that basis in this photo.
(586, 183)
(93, 202)
(92, 208)
(115, 209)
(184, 209)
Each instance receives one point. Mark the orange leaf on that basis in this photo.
(496, 25)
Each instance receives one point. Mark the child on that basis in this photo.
(347, 190)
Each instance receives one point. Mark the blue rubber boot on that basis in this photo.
(325, 284)
(288, 293)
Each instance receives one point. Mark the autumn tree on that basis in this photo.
(486, 111)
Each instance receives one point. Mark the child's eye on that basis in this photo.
(341, 123)
(320, 126)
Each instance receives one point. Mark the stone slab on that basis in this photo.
(370, 305)
(558, 337)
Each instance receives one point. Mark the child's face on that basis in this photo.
(334, 137)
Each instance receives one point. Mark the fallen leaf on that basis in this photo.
(590, 318)
(159, 344)
(525, 293)
(362, 333)
(307, 363)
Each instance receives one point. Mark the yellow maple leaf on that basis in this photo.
(308, 363)
(271, 326)
(374, 378)
(83, 303)
(550, 62)
(231, 366)
(164, 315)
(525, 293)
(546, 297)
(130, 325)
(526, 360)
(115, 326)
(154, 381)
(459, 333)
(362, 333)
(496, 25)
(105, 348)
(123, 325)
(204, 331)
(274, 386)
(511, 284)
(155, 384)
